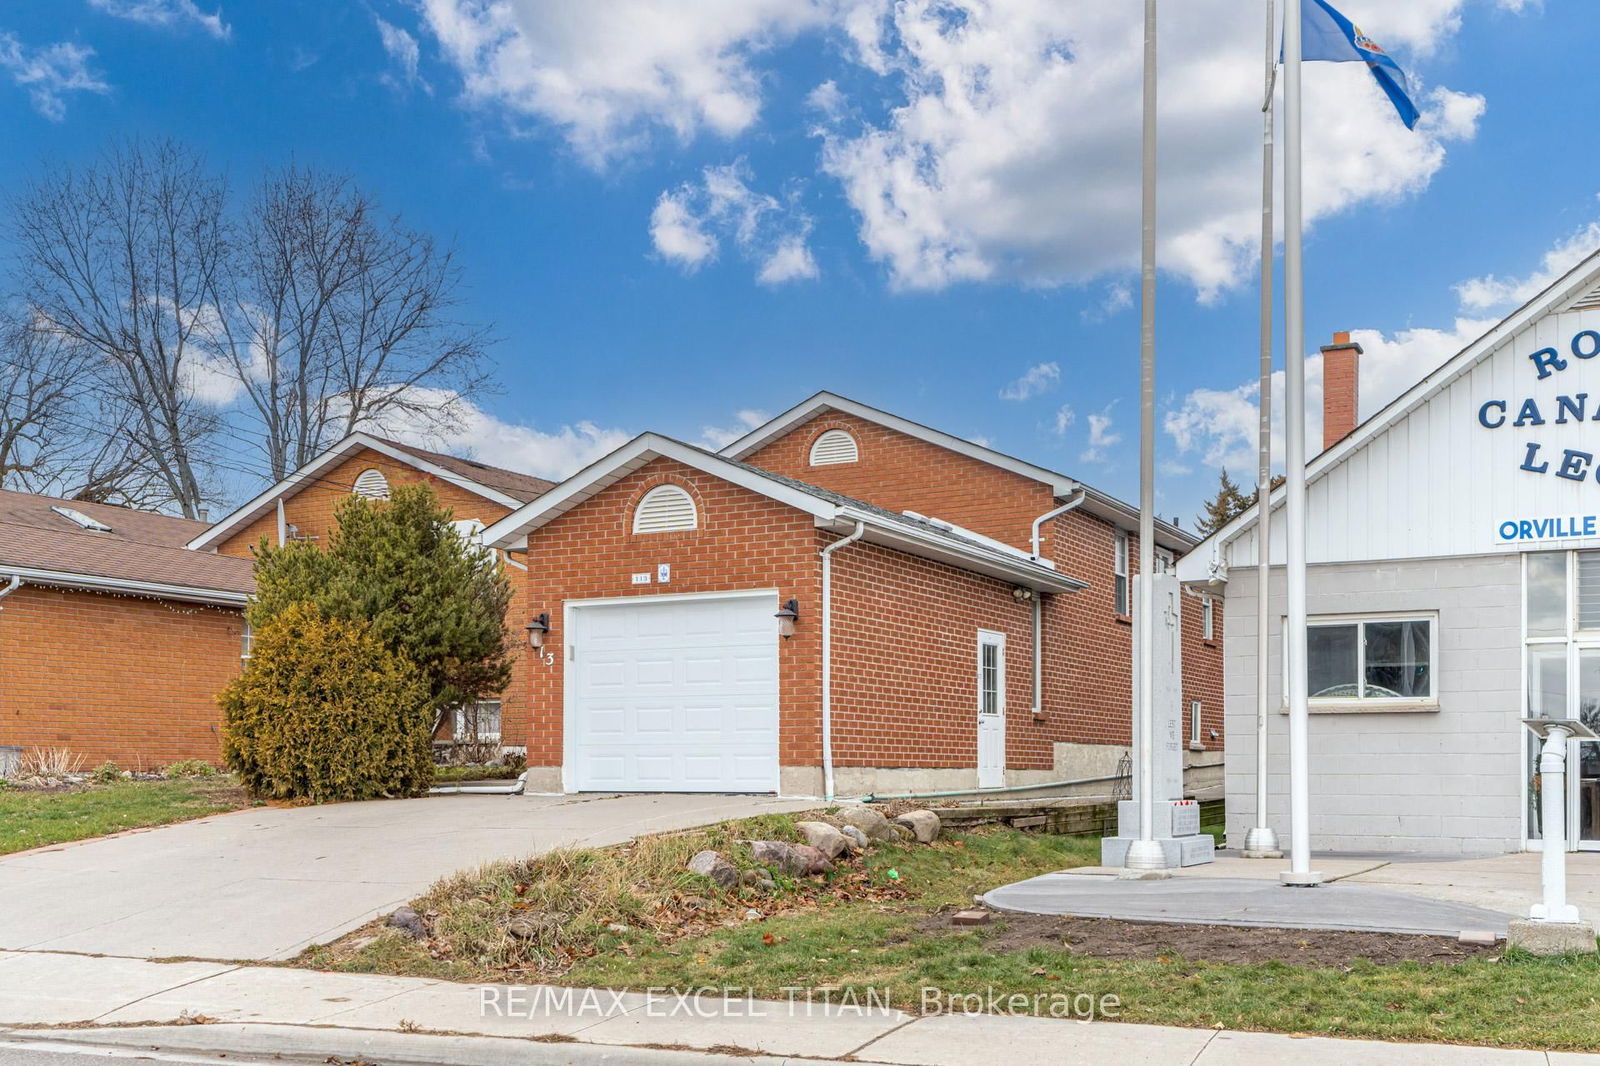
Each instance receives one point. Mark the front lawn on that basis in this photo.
(630, 917)
(30, 819)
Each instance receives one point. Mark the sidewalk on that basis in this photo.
(268, 1011)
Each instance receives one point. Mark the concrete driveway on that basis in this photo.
(264, 883)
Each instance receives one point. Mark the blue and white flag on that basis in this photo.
(1327, 35)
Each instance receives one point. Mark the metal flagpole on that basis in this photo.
(1294, 426)
(1261, 842)
(1145, 853)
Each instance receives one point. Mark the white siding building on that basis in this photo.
(1453, 587)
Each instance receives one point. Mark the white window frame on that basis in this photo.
(1122, 592)
(1197, 740)
(247, 641)
(459, 730)
(1164, 561)
(1208, 617)
(1373, 703)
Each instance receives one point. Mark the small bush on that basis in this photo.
(190, 768)
(325, 713)
(49, 762)
(105, 773)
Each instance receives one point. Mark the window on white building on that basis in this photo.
(1371, 659)
(1119, 567)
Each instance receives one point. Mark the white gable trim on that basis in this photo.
(512, 531)
(1205, 563)
(350, 445)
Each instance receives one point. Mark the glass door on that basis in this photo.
(1583, 756)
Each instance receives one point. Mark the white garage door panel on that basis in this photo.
(675, 694)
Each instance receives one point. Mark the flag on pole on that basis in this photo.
(1327, 35)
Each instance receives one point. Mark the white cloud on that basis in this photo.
(1118, 297)
(404, 53)
(1064, 419)
(165, 13)
(827, 99)
(677, 233)
(610, 75)
(1489, 292)
(722, 436)
(50, 72)
(1014, 155)
(1034, 381)
(1101, 436)
(479, 435)
(686, 221)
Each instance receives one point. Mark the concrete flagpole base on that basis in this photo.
(1309, 879)
(1261, 842)
(1551, 938)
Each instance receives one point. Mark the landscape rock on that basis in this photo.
(825, 838)
(873, 825)
(925, 824)
(409, 922)
(902, 832)
(711, 864)
(796, 860)
(855, 836)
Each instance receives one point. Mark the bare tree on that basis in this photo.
(346, 319)
(123, 259)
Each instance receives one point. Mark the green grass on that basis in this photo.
(32, 819)
(876, 943)
(449, 775)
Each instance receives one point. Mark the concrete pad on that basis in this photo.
(1215, 901)
(495, 1010)
(46, 989)
(983, 1039)
(1235, 867)
(1551, 938)
(1272, 1049)
(1507, 883)
(773, 1027)
(264, 883)
(266, 994)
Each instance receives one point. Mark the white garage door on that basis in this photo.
(674, 694)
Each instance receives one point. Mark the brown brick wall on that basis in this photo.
(111, 677)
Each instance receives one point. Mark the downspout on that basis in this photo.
(1038, 606)
(827, 656)
(283, 524)
(14, 584)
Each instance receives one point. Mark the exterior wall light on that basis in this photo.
(786, 617)
(537, 630)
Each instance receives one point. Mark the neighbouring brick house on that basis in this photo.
(302, 507)
(840, 594)
(114, 640)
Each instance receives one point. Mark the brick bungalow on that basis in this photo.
(114, 640)
(302, 507)
(841, 601)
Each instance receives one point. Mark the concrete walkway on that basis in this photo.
(264, 883)
(267, 1011)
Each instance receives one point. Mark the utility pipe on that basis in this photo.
(1553, 827)
(1038, 607)
(827, 655)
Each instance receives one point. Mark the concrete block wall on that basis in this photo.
(1449, 780)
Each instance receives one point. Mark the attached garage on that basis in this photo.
(675, 693)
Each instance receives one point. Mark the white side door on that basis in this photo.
(991, 709)
(673, 694)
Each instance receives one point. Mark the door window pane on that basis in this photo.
(1331, 661)
(1397, 661)
(1589, 590)
(989, 679)
(1547, 594)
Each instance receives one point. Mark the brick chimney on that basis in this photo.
(1341, 388)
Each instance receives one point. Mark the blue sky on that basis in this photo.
(677, 215)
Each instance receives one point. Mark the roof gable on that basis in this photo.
(505, 487)
(1444, 413)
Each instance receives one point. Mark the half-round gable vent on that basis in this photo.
(664, 509)
(834, 446)
(371, 484)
